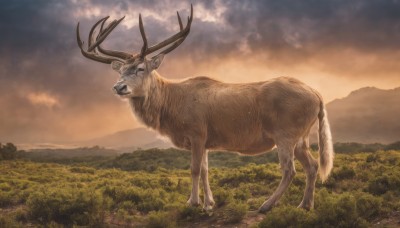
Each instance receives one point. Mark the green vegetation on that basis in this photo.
(84, 155)
(152, 159)
(150, 189)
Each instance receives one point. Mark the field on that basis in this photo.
(150, 189)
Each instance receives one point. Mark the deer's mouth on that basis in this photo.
(124, 93)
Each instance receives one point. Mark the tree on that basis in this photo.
(8, 151)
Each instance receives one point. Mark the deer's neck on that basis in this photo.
(149, 108)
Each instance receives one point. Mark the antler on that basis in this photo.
(95, 50)
(93, 44)
(177, 39)
(118, 54)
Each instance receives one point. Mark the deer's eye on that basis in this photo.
(140, 69)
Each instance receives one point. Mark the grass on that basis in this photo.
(364, 188)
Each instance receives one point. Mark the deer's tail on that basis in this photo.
(326, 153)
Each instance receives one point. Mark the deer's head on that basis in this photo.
(134, 69)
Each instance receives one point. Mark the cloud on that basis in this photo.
(44, 99)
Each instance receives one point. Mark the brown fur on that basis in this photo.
(238, 117)
(202, 113)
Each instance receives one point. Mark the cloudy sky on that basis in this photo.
(50, 93)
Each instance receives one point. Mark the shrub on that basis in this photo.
(125, 216)
(289, 216)
(151, 204)
(7, 221)
(393, 146)
(189, 213)
(344, 173)
(128, 205)
(293, 195)
(5, 187)
(160, 219)
(66, 207)
(152, 200)
(8, 151)
(368, 206)
(242, 193)
(255, 203)
(128, 194)
(235, 211)
(379, 185)
(20, 215)
(372, 158)
(82, 169)
(6, 199)
(337, 210)
(222, 196)
(235, 178)
(167, 184)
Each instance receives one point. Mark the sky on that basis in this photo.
(50, 93)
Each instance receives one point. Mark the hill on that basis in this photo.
(131, 139)
(367, 115)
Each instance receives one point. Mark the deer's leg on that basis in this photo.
(198, 151)
(286, 160)
(310, 166)
(208, 197)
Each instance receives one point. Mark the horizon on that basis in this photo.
(50, 93)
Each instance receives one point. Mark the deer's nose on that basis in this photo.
(120, 88)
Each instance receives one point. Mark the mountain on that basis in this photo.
(128, 140)
(366, 115)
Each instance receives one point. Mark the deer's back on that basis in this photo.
(246, 116)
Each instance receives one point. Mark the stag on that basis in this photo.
(201, 114)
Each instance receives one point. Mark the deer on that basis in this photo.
(201, 114)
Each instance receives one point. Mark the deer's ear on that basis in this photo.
(155, 62)
(116, 65)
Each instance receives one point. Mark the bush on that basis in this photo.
(128, 194)
(7, 221)
(344, 173)
(289, 216)
(379, 185)
(373, 158)
(255, 203)
(242, 193)
(21, 215)
(234, 212)
(67, 207)
(222, 196)
(393, 146)
(151, 204)
(368, 206)
(125, 216)
(82, 169)
(6, 199)
(8, 151)
(152, 200)
(337, 210)
(128, 205)
(160, 219)
(189, 213)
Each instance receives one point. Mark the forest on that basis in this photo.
(97, 187)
